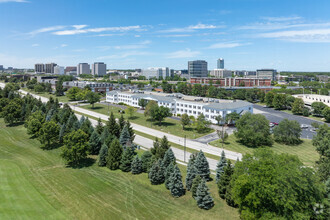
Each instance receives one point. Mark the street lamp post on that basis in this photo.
(184, 152)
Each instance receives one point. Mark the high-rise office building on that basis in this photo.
(197, 68)
(1, 67)
(220, 63)
(49, 67)
(99, 69)
(156, 72)
(83, 68)
(39, 68)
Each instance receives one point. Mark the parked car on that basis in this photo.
(274, 123)
(303, 126)
(271, 124)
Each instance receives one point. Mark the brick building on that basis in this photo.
(232, 82)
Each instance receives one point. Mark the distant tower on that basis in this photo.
(221, 64)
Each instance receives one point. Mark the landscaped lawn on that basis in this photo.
(170, 126)
(36, 184)
(305, 151)
(47, 95)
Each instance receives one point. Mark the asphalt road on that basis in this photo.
(277, 116)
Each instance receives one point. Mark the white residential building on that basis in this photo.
(156, 72)
(99, 69)
(59, 70)
(310, 98)
(180, 104)
(221, 73)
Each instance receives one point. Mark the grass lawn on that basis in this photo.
(169, 126)
(35, 184)
(305, 151)
(47, 95)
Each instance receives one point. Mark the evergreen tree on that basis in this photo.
(121, 122)
(160, 148)
(168, 158)
(103, 156)
(175, 183)
(225, 180)
(220, 166)
(105, 134)
(202, 166)
(99, 127)
(62, 133)
(112, 126)
(114, 155)
(87, 127)
(197, 180)
(203, 197)
(136, 167)
(125, 138)
(156, 174)
(146, 159)
(168, 171)
(95, 143)
(126, 160)
(130, 130)
(191, 171)
(69, 124)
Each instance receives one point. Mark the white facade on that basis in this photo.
(59, 70)
(309, 99)
(221, 73)
(192, 106)
(99, 69)
(156, 72)
(83, 68)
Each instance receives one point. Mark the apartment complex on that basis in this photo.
(197, 68)
(83, 68)
(70, 70)
(49, 67)
(220, 63)
(221, 73)
(59, 70)
(99, 69)
(267, 74)
(156, 72)
(310, 98)
(99, 87)
(39, 68)
(232, 82)
(181, 104)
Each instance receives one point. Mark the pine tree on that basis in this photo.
(197, 180)
(131, 131)
(202, 166)
(191, 171)
(126, 160)
(105, 134)
(156, 174)
(220, 166)
(87, 127)
(95, 143)
(168, 171)
(103, 156)
(112, 126)
(99, 127)
(82, 120)
(121, 122)
(160, 148)
(175, 183)
(225, 180)
(168, 158)
(125, 138)
(114, 155)
(62, 132)
(146, 159)
(203, 197)
(136, 165)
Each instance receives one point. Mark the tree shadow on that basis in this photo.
(166, 124)
(97, 107)
(188, 129)
(133, 118)
(15, 124)
(83, 163)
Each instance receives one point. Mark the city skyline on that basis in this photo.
(249, 35)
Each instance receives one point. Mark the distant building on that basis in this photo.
(1, 67)
(49, 67)
(83, 68)
(197, 68)
(221, 73)
(220, 63)
(310, 98)
(70, 70)
(244, 73)
(59, 70)
(99, 87)
(39, 68)
(232, 81)
(322, 78)
(267, 74)
(99, 69)
(156, 72)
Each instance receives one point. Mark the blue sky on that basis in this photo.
(249, 34)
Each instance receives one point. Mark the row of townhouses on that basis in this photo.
(180, 104)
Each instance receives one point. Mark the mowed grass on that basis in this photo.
(63, 99)
(305, 151)
(36, 184)
(169, 125)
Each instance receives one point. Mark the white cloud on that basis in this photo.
(63, 45)
(191, 28)
(19, 1)
(46, 29)
(35, 45)
(97, 30)
(175, 35)
(279, 19)
(187, 53)
(139, 45)
(308, 35)
(226, 45)
(123, 55)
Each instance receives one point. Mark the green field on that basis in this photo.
(35, 184)
(47, 95)
(305, 151)
(169, 126)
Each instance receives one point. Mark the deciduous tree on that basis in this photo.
(48, 135)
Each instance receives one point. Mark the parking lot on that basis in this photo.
(277, 116)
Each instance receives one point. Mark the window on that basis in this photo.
(190, 111)
(194, 106)
(189, 106)
(194, 112)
